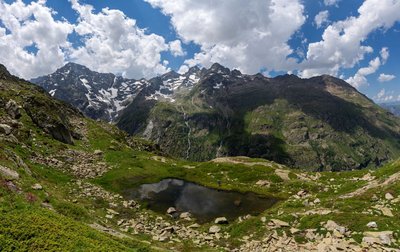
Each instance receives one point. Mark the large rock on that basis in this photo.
(385, 237)
(5, 129)
(389, 196)
(171, 210)
(331, 226)
(214, 229)
(221, 220)
(8, 174)
(278, 223)
(13, 109)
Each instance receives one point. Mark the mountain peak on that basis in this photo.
(216, 67)
(71, 66)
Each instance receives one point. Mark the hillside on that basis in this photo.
(319, 124)
(66, 181)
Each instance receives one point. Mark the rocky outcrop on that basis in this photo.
(8, 174)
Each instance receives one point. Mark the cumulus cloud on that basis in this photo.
(386, 77)
(114, 43)
(176, 48)
(32, 43)
(321, 18)
(247, 36)
(360, 78)
(384, 96)
(342, 42)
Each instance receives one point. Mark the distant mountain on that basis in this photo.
(393, 107)
(97, 95)
(321, 123)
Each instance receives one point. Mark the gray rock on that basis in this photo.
(389, 196)
(384, 237)
(214, 229)
(278, 223)
(372, 224)
(37, 187)
(221, 220)
(13, 109)
(5, 129)
(8, 174)
(184, 215)
(98, 152)
(171, 210)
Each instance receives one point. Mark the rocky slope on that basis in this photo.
(65, 180)
(97, 95)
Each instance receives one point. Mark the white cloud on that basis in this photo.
(321, 18)
(384, 96)
(34, 43)
(385, 77)
(342, 42)
(32, 25)
(359, 79)
(331, 2)
(176, 48)
(114, 43)
(246, 36)
(384, 54)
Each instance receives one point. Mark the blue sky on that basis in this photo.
(352, 39)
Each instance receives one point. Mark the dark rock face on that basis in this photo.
(56, 124)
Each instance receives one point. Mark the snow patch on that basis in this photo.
(52, 92)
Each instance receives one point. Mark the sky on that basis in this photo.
(358, 41)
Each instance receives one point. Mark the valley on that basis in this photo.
(64, 180)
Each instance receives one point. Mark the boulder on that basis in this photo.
(263, 183)
(278, 223)
(98, 152)
(331, 226)
(384, 237)
(387, 212)
(221, 220)
(37, 187)
(171, 210)
(13, 109)
(8, 174)
(214, 229)
(389, 196)
(184, 215)
(5, 129)
(372, 224)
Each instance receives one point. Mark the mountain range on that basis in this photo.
(321, 123)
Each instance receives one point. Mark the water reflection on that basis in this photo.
(203, 203)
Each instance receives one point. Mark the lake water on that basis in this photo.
(205, 204)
